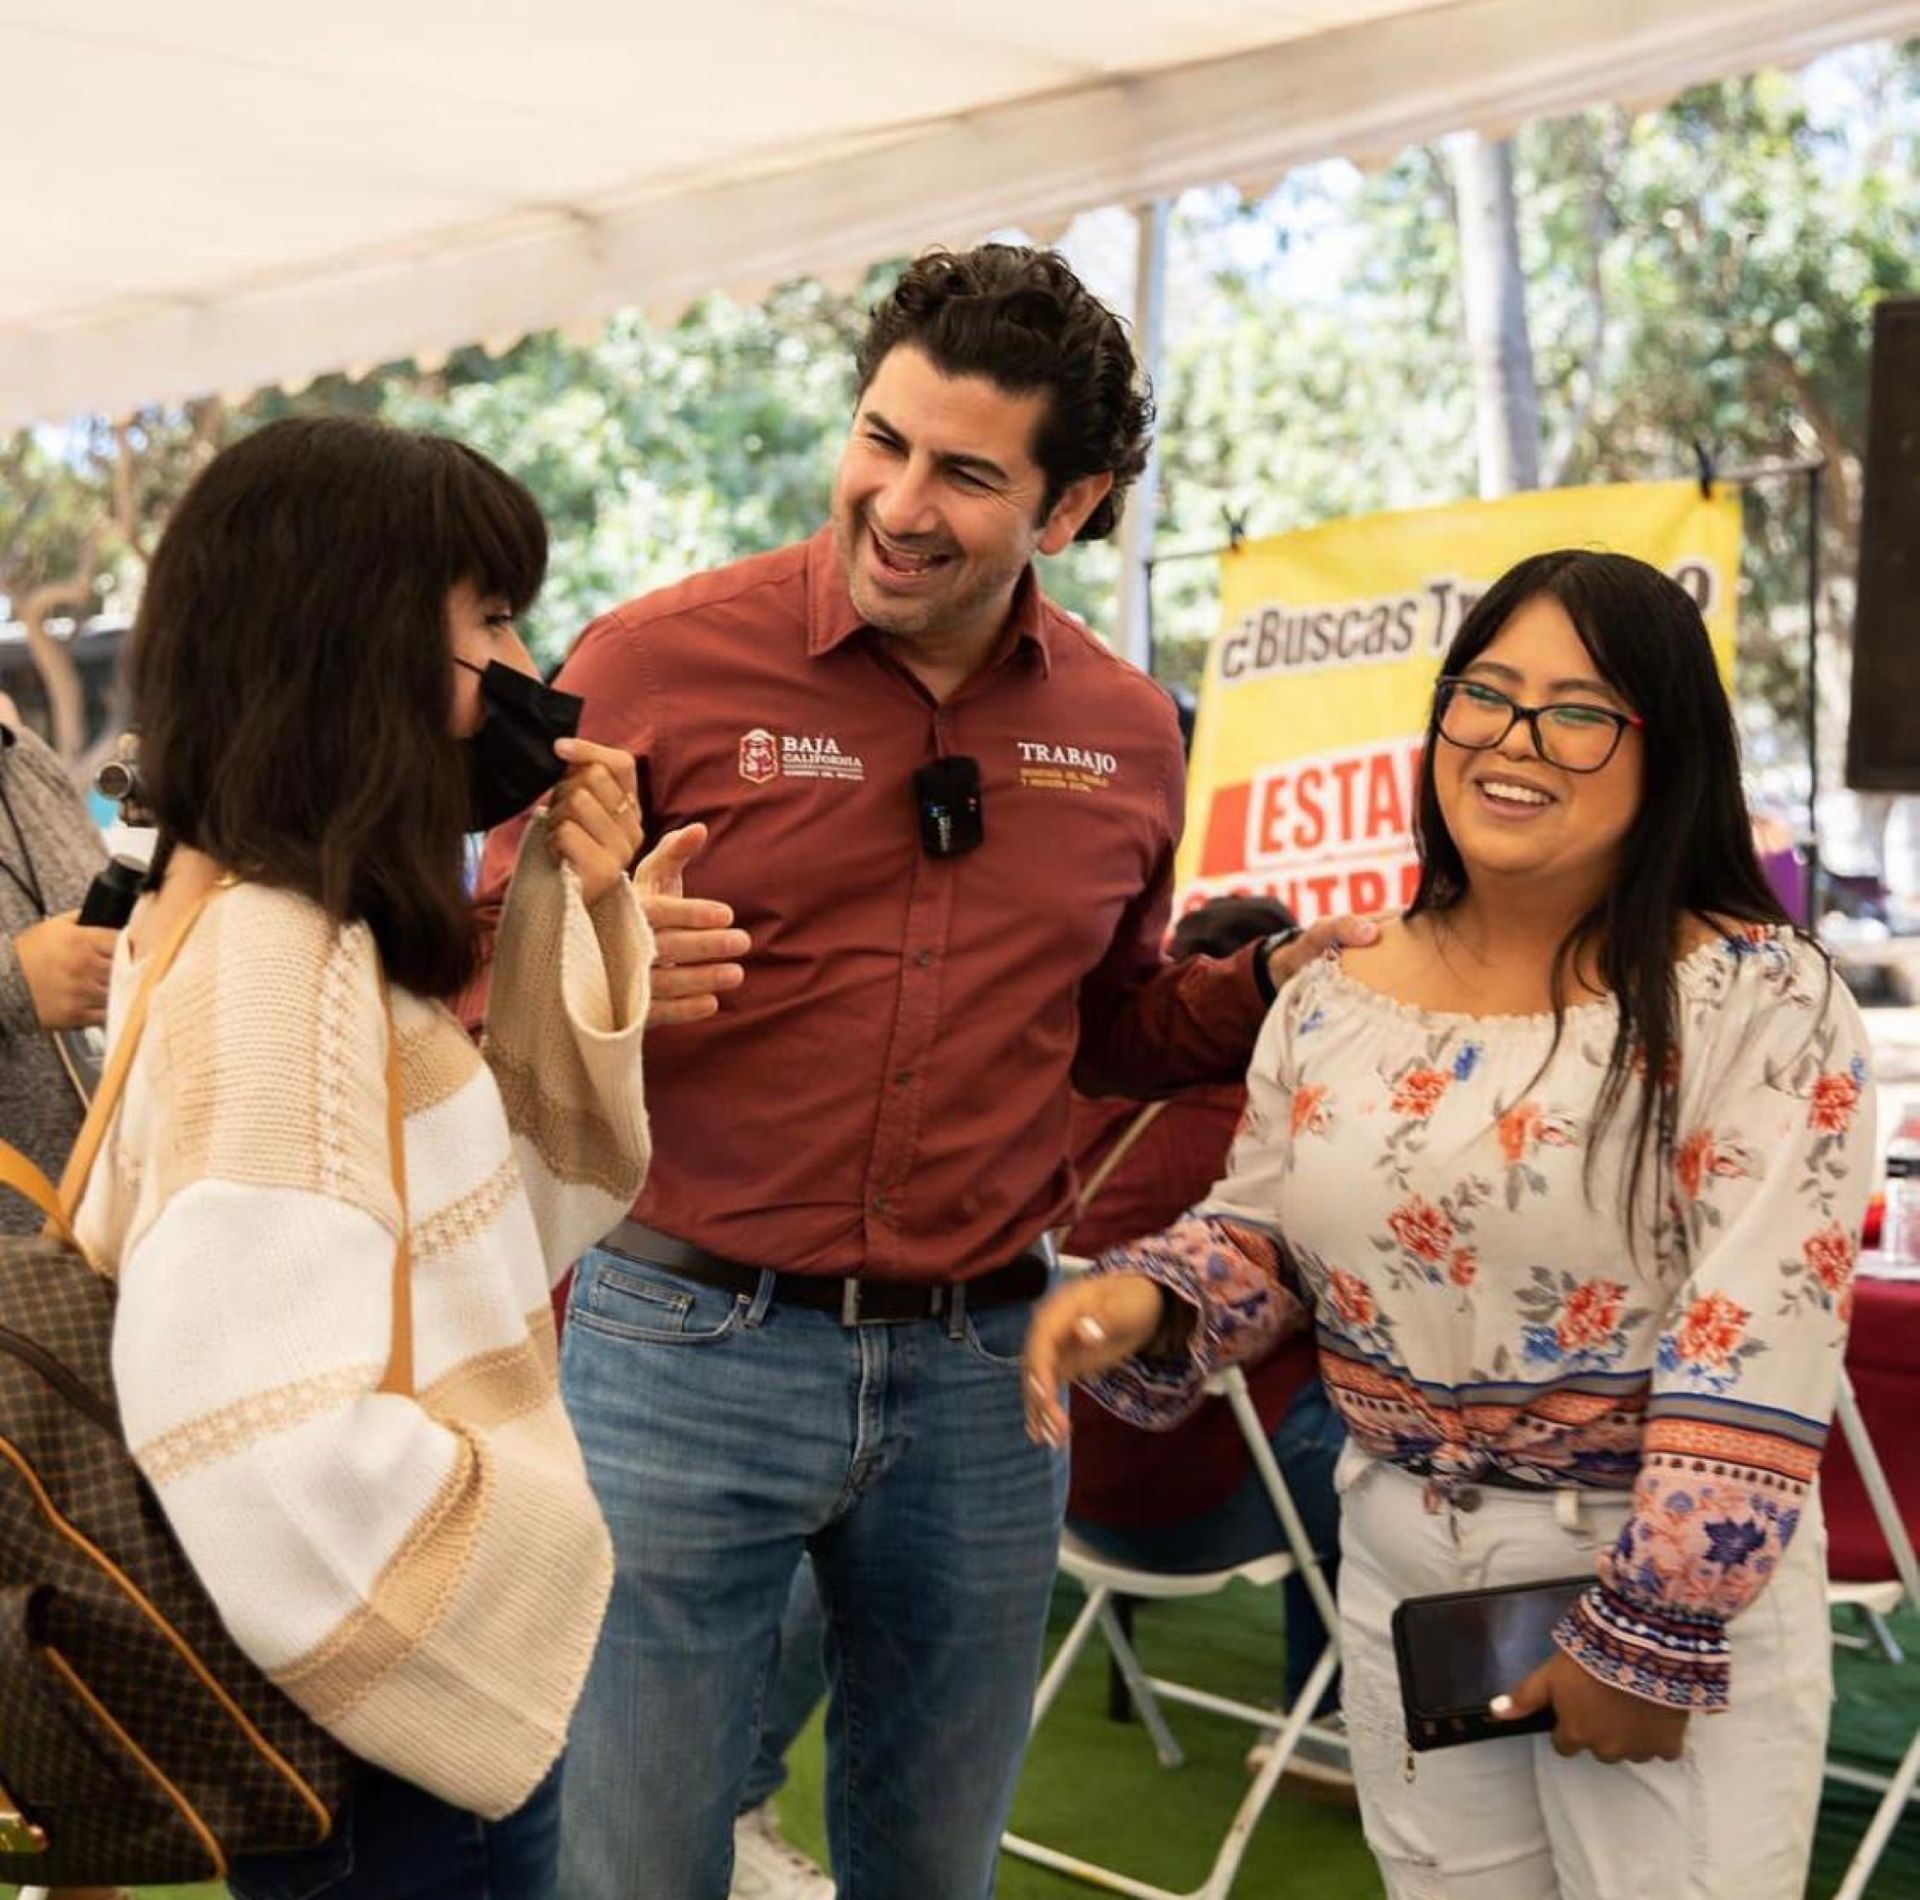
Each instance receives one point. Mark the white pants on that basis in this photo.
(1511, 1820)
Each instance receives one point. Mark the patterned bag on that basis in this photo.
(138, 1744)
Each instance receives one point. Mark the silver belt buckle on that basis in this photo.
(850, 1302)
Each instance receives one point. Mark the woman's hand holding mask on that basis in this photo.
(594, 825)
(593, 817)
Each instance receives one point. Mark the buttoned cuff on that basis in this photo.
(1679, 1660)
(1230, 1276)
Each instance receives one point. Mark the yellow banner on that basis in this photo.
(1307, 748)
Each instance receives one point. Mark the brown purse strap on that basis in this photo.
(113, 1079)
(18, 1172)
(59, 1205)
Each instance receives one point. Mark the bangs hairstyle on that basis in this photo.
(1689, 852)
(1023, 320)
(292, 673)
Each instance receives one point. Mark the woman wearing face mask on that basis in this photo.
(331, 696)
(1567, 1172)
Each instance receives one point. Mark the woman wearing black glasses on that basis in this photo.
(1567, 1172)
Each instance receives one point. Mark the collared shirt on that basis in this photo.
(888, 1093)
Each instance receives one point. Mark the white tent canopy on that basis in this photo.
(215, 194)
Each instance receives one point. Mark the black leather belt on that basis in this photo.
(857, 1302)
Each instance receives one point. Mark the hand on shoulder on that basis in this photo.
(1345, 933)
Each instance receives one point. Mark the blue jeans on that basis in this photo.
(727, 1435)
(1306, 1446)
(397, 1842)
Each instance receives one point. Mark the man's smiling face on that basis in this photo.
(938, 504)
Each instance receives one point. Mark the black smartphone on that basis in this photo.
(1459, 1650)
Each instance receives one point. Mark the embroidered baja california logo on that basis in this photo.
(759, 761)
(1065, 768)
(817, 755)
(766, 756)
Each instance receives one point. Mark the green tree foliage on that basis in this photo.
(1300, 390)
(80, 510)
(1750, 230)
(656, 451)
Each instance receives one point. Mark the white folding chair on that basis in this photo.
(1103, 1581)
(1876, 1601)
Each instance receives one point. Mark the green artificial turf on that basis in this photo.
(1092, 1786)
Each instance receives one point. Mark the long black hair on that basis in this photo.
(1689, 851)
(292, 677)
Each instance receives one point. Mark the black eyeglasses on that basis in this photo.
(1477, 717)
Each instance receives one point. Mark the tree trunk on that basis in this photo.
(1506, 400)
(59, 673)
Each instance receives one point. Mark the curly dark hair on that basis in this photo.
(1023, 320)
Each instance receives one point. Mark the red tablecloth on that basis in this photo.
(1883, 1361)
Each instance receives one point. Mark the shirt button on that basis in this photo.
(878, 1203)
(1467, 1498)
(902, 1078)
(923, 960)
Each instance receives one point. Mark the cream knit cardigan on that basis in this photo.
(424, 1576)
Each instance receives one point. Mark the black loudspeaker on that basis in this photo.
(1883, 736)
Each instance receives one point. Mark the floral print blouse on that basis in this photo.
(1418, 1187)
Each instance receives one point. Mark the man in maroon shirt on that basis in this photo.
(946, 815)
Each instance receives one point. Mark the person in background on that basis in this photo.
(53, 972)
(1567, 1171)
(1782, 863)
(947, 816)
(1190, 1499)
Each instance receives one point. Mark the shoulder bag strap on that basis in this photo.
(113, 1079)
(86, 1148)
(60, 1204)
(18, 1173)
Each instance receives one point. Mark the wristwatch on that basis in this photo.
(1262, 974)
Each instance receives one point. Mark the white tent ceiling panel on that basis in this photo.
(218, 194)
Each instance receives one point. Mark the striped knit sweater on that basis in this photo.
(424, 1576)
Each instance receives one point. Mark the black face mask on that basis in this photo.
(511, 760)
